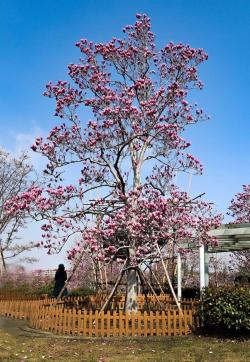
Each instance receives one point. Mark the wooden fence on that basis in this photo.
(118, 303)
(13, 295)
(97, 300)
(59, 320)
(19, 309)
(140, 298)
(88, 324)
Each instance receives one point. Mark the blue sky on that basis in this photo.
(37, 42)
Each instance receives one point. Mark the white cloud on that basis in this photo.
(23, 141)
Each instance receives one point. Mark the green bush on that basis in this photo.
(26, 288)
(21, 288)
(226, 310)
(81, 292)
(45, 289)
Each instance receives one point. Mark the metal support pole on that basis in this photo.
(179, 277)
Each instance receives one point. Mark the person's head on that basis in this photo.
(61, 267)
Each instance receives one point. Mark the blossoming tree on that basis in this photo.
(240, 206)
(137, 230)
(240, 211)
(129, 150)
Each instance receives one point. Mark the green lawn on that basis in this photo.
(16, 345)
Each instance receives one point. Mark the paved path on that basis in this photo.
(12, 326)
(19, 328)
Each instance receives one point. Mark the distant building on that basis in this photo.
(48, 272)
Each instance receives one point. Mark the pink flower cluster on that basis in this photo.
(47, 205)
(65, 96)
(240, 206)
(148, 220)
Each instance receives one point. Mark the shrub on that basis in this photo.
(22, 282)
(226, 310)
(47, 288)
(81, 292)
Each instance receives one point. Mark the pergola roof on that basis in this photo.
(231, 237)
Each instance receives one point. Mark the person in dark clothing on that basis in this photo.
(60, 279)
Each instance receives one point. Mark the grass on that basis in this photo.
(16, 347)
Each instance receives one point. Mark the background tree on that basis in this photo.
(15, 174)
(240, 261)
(133, 146)
(240, 211)
(18, 279)
(240, 206)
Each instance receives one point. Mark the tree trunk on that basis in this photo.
(131, 287)
(2, 262)
(131, 295)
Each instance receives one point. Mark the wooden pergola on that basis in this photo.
(231, 237)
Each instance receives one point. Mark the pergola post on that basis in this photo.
(202, 267)
(206, 265)
(230, 237)
(204, 258)
(179, 276)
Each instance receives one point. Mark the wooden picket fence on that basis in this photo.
(88, 324)
(19, 309)
(13, 295)
(57, 319)
(118, 303)
(94, 299)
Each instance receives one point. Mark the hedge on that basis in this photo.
(224, 310)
